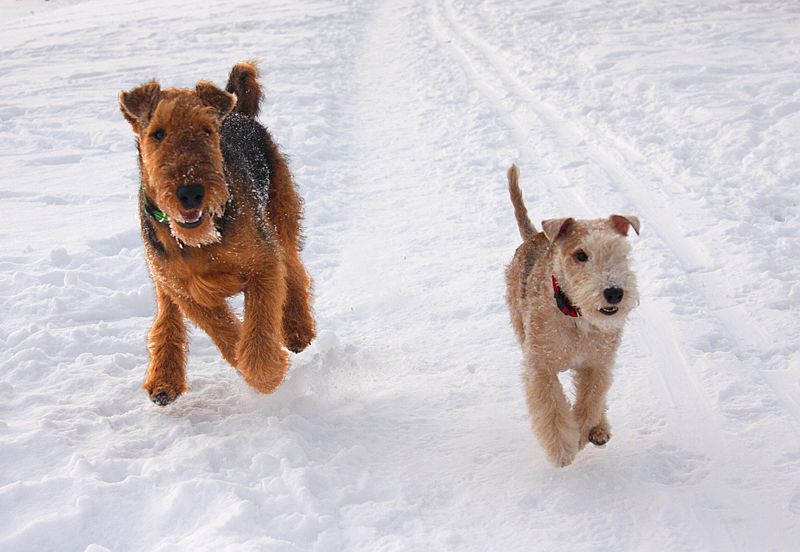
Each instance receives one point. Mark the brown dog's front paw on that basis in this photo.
(599, 435)
(162, 399)
(298, 336)
(164, 393)
(263, 368)
(297, 343)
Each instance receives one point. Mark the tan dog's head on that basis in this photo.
(177, 132)
(590, 262)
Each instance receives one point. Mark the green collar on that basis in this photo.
(151, 210)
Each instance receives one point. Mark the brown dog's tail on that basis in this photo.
(243, 81)
(526, 228)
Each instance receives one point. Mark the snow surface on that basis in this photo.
(403, 427)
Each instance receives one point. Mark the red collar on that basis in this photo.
(562, 301)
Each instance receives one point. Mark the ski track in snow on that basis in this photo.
(403, 427)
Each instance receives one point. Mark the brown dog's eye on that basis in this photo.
(582, 257)
(158, 134)
(207, 130)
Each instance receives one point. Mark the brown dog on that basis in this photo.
(219, 215)
(569, 291)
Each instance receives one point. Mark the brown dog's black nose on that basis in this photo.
(613, 295)
(191, 195)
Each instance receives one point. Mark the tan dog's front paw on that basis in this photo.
(564, 457)
(564, 450)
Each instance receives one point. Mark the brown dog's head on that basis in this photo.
(177, 132)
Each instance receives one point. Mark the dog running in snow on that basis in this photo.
(219, 215)
(569, 290)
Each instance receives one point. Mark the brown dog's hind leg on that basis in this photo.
(299, 328)
(285, 211)
(166, 374)
(260, 355)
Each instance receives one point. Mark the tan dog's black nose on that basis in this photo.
(613, 295)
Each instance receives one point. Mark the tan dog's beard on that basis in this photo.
(587, 296)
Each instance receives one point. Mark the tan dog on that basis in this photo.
(569, 290)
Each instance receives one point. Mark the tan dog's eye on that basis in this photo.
(158, 135)
(581, 257)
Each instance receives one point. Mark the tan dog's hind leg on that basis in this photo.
(553, 422)
(166, 374)
(591, 388)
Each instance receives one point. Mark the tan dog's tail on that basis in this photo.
(243, 81)
(526, 228)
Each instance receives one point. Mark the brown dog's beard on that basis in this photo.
(205, 234)
(212, 208)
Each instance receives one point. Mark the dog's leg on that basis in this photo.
(553, 422)
(298, 319)
(260, 355)
(166, 375)
(284, 210)
(220, 323)
(591, 388)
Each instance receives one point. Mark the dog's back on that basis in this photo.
(244, 147)
(245, 142)
(247, 146)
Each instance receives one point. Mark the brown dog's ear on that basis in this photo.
(621, 223)
(555, 228)
(216, 98)
(137, 105)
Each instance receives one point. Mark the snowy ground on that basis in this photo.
(404, 427)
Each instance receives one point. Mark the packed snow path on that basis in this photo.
(404, 427)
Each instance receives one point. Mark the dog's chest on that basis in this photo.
(588, 345)
(208, 281)
(566, 343)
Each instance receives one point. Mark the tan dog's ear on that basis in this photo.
(212, 96)
(556, 228)
(137, 105)
(621, 223)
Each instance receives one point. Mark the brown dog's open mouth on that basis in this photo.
(609, 311)
(190, 219)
